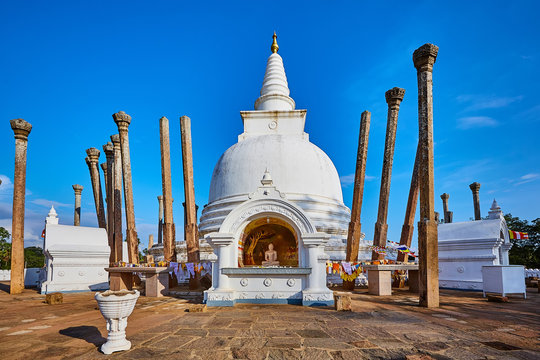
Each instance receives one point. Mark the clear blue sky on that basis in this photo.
(68, 66)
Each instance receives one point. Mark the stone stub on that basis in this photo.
(54, 298)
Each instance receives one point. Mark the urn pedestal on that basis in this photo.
(116, 306)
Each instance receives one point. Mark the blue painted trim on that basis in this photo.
(74, 291)
(220, 303)
(256, 301)
(269, 301)
(318, 303)
(451, 288)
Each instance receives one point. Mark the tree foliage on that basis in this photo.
(5, 249)
(33, 255)
(525, 251)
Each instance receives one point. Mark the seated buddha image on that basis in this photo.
(270, 256)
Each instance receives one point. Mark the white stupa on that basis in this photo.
(275, 211)
(274, 140)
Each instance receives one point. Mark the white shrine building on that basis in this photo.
(465, 247)
(273, 186)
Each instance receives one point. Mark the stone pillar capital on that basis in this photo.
(93, 155)
(21, 128)
(160, 198)
(116, 141)
(104, 167)
(108, 149)
(78, 189)
(445, 196)
(475, 187)
(424, 57)
(122, 120)
(394, 96)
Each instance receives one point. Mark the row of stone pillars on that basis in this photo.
(422, 182)
(118, 167)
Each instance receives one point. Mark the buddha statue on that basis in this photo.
(270, 256)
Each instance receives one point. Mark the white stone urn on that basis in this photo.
(116, 306)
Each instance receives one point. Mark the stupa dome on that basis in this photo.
(298, 167)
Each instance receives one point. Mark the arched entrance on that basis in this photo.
(257, 237)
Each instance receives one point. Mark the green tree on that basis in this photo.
(525, 251)
(5, 249)
(33, 257)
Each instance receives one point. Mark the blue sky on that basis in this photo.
(68, 66)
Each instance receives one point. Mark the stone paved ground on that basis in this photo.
(465, 327)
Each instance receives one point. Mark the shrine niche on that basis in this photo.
(268, 242)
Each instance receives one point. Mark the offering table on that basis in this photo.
(380, 277)
(157, 279)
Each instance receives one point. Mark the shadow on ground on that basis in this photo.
(90, 334)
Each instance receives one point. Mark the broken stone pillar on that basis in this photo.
(475, 188)
(424, 57)
(21, 130)
(108, 170)
(160, 220)
(123, 120)
(192, 234)
(150, 258)
(446, 214)
(355, 226)
(169, 253)
(77, 214)
(394, 97)
(93, 159)
(117, 197)
(407, 229)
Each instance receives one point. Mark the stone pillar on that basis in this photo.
(77, 214)
(355, 226)
(21, 130)
(407, 229)
(185, 216)
(447, 215)
(150, 241)
(104, 169)
(108, 170)
(117, 197)
(123, 120)
(93, 159)
(169, 245)
(192, 234)
(394, 97)
(424, 58)
(475, 188)
(160, 220)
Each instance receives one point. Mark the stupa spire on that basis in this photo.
(275, 47)
(275, 89)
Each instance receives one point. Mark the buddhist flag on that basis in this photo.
(516, 235)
